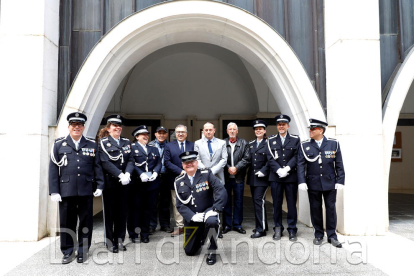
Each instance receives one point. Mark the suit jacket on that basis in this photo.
(149, 161)
(215, 163)
(76, 176)
(258, 159)
(205, 194)
(172, 161)
(280, 156)
(112, 168)
(320, 176)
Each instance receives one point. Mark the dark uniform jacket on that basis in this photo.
(258, 159)
(283, 155)
(207, 193)
(320, 176)
(149, 161)
(80, 171)
(113, 168)
(241, 159)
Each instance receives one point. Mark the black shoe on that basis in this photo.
(240, 230)
(113, 249)
(278, 234)
(68, 258)
(293, 237)
(258, 234)
(121, 247)
(82, 258)
(211, 259)
(317, 241)
(151, 230)
(226, 230)
(335, 242)
(145, 240)
(220, 234)
(166, 229)
(134, 240)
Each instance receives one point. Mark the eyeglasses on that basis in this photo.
(77, 124)
(181, 132)
(313, 128)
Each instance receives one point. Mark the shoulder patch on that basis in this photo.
(59, 139)
(252, 141)
(90, 139)
(294, 136)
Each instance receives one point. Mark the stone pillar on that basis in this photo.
(29, 38)
(354, 108)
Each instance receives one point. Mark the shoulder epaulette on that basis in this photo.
(59, 139)
(125, 139)
(272, 137)
(90, 139)
(133, 144)
(251, 141)
(305, 141)
(204, 171)
(104, 138)
(151, 145)
(294, 136)
(179, 177)
(333, 139)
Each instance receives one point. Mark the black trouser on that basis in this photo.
(290, 189)
(315, 201)
(233, 210)
(162, 204)
(259, 204)
(192, 245)
(115, 214)
(70, 208)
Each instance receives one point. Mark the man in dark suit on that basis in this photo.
(200, 198)
(321, 172)
(74, 169)
(173, 163)
(282, 155)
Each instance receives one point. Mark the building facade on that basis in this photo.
(191, 61)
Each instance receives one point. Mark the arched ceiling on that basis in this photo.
(193, 79)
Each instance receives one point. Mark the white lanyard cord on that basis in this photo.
(116, 158)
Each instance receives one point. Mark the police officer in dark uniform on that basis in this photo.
(74, 169)
(257, 177)
(146, 181)
(282, 152)
(321, 172)
(200, 198)
(117, 163)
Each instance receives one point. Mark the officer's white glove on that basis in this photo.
(339, 186)
(55, 197)
(144, 177)
(121, 175)
(97, 193)
(287, 169)
(303, 186)
(282, 172)
(198, 217)
(259, 174)
(125, 179)
(210, 213)
(153, 176)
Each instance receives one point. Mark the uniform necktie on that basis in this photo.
(182, 147)
(209, 148)
(191, 180)
(283, 140)
(77, 145)
(319, 143)
(117, 141)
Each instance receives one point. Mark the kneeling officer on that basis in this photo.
(200, 197)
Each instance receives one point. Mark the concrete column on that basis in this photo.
(29, 37)
(354, 109)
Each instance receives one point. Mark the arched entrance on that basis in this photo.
(391, 111)
(210, 22)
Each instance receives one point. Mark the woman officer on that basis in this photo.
(257, 177)
(117, 165)
(146, 183)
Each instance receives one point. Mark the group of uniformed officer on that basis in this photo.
(80, 168)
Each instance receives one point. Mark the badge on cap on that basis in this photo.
(308, 148)
(182, 184)
(310, 120)
(281, 116)
(118, 116)
(257, 122)
(64, 144)
(187, 153)
(108, 145)
(77, 114)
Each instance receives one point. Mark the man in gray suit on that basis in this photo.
(212, 152)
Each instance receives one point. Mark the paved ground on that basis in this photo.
(164, 256)
(401, 210)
